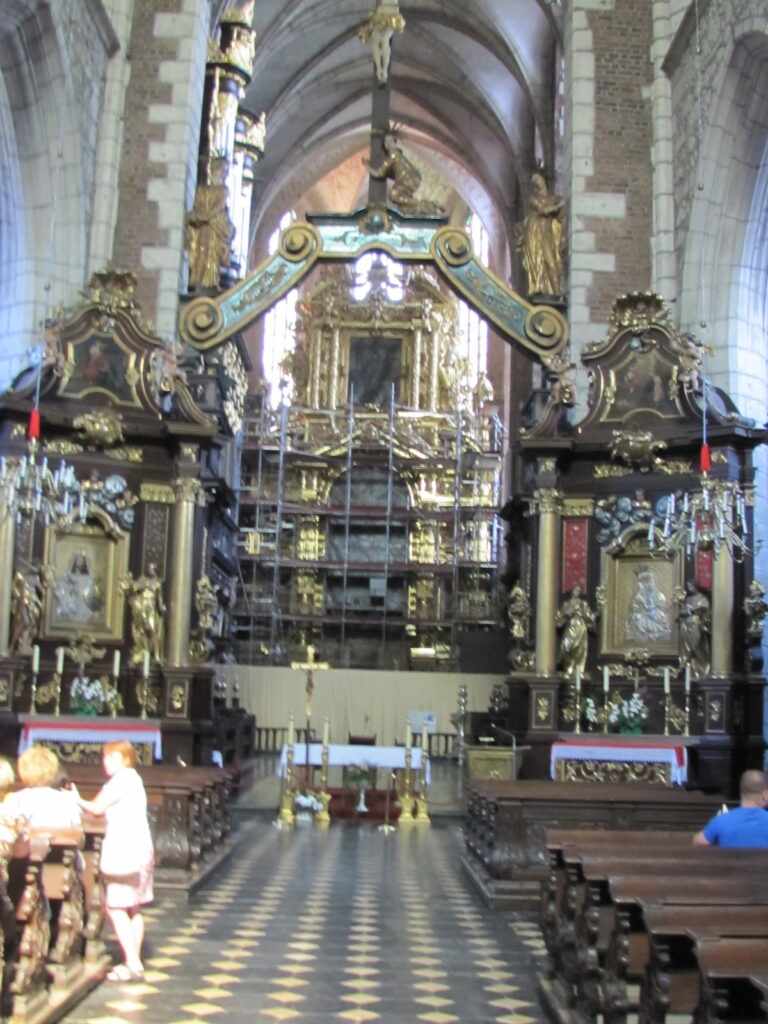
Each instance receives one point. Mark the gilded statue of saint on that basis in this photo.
(578, 619)
(755, 608)
(541, 240)
(695, 620)
(145, 596)
(26, 609)
(406, 181)
(209, 230)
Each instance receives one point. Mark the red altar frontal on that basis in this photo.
(662, 760)
(79, 738)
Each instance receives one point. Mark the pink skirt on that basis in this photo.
(124, 892)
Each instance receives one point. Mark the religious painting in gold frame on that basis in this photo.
(84, 595)
(639, 612)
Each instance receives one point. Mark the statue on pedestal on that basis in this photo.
(145, 596)
(578, 619)
(695, 620)
(540, 239)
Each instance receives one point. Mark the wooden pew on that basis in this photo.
(48, 972)
(592, 910)
(506, 856)
(734, 979)
(189, 816)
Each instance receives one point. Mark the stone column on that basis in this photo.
(722, 615)
(7, 539)
(546, 581)
(188, 492)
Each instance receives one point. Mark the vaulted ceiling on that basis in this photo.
(473, 84)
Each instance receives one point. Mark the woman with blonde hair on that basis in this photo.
(41, 803)
(127, 856)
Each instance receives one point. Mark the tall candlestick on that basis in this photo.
(116, 664)
(666, 680)
(36, 659)
(60, 660)
(326, 732)
(606, 679)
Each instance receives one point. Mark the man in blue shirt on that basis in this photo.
(747, 825)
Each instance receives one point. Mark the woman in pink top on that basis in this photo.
(127, 856)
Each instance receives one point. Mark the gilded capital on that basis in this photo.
(187, 488)
(547, 499)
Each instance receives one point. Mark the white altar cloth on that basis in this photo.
(347, 754)
(94, 730)
(590, 749)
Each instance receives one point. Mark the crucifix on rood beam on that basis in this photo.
(309, 666)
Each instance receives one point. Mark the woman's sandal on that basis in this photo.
(124, 974)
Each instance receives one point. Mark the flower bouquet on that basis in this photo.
(629, 715)
(359, 775)
(92, 696)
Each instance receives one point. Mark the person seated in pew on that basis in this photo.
(41, 803)
(127, 854)
(746, 825)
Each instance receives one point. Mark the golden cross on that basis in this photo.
(309, 667)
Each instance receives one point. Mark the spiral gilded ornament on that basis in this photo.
(453, 245)
(546, 327)
(298, 241)
(200, 321)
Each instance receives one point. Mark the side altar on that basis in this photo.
(630, 594)
(79, 738)
(117, 529)
(660, 760)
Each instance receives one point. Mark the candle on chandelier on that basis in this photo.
(60, 660)
(116, 664)
(35, 659)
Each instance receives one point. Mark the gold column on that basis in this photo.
(314, 376)
(546, 581)
(722, 615)
(333, 380)
(416, 370)
(434, 369)
(187, 491)
(7, 540)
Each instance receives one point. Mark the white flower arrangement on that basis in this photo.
(629, 714)
(590, 712)
(91, 696)
(307, 802)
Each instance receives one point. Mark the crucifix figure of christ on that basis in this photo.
(388, 161)
(309, 667)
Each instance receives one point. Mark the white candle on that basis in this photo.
(60, 660)
(578, 679)
(326, 732)
(35, 659)
(408, 738)
(116, 664)
(606, 679)
(146, 664)
(666, 680)
(687, 678)
(424, 737)
(291, 732)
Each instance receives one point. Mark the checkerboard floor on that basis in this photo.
(349, 924)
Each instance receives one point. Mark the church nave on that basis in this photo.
(349, 924)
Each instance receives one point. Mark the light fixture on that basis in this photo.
(32, 489)
(703, 521)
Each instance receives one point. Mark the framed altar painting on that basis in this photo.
(83, 594)
(639, 612)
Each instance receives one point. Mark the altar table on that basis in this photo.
(345, 755)
(593, 758)
(80, 737)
